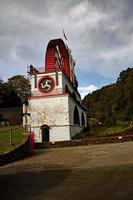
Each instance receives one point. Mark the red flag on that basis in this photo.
(64, 34)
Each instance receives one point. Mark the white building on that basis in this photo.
(56, 111)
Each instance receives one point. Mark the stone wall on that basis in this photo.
(87, 141)
(51, 111)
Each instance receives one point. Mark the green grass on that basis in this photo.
(17, 138)
(102, 131)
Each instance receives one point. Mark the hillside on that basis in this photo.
(113, 103)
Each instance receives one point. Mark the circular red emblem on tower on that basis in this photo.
(46, 84)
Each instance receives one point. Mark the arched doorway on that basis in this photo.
(76, 116)
(83, 119)
(45, 133)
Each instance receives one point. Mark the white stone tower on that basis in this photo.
(56, 111)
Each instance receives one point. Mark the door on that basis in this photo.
(45, 133)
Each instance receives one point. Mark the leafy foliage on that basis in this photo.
(14, 92)
(20, 85)
(114, 102)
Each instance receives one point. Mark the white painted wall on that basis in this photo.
(58, 89)
(37, 134)
(60, 133)
(52, 111)
(71, 89)
(72, 104)
(74, 129)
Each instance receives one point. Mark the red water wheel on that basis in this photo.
(57, 57)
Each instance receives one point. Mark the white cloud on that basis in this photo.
(87, 89)
(99, 31)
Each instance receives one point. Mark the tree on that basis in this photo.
(14, 92)
(20, 85)
(124, 74)
(8, 96)
(114, 102)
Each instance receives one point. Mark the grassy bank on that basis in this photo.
(10, 138)
(101, 131)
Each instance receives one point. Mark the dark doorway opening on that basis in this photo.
(45, 133)
(76, 116)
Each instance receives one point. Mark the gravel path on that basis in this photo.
(86, 172)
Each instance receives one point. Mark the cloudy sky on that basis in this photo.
(99, 32)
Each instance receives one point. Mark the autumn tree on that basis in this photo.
(114, 102)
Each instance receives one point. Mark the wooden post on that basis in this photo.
(11, 137)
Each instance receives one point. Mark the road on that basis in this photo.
(92, 172)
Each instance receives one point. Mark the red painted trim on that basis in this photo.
(44, 77)
(58, 70)
(50, 95)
